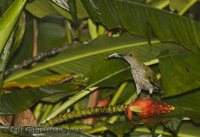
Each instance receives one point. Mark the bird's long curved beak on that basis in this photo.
(115, 55)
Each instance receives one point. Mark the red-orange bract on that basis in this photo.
(103, 102)
(147, 107)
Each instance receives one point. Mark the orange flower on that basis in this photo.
(103, 102)
(147, 107)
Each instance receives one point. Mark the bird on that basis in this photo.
(143, 76)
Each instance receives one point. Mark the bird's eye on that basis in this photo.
(130, 55)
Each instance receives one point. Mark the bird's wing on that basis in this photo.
(152, 77)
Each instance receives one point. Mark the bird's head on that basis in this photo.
(130, 57)
(127, 56)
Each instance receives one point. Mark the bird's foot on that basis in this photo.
(151, 91)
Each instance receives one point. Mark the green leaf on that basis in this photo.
(193, 130)
(61, 11)
(180, 73)
(63, 4)
(12, 43)
(81, 11)
(4, 57)
(189, 103)
(102, 12)
(40, 8)
(92, 29)
(173, 125)
(120, 128)
(109, 72)
(6, 134)
(43, 8)
(31, 82)
(79, 58)
(18, 101)
(51, 34)
(64, 89)
(26, 46)
(8, 21)
(160, 4)
(4, 4)
(186, 130)
(19, 33)
(63, 8)
(140, 19)
(73, 11)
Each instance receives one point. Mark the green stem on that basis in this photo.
(47, 111)
(35, 38)
(92, 29)
(152, 62)
(68, 30)
(118, 93)
(56, 106)
(188, 6)
(101, 30)
(114, 100)
(38, 110)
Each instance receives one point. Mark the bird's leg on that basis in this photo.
(138, 89)
(151, 91)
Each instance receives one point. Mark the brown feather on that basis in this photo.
(152, 77)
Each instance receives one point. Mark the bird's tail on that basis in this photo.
(160, 90)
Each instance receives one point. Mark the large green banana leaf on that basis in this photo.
(79, 58)
(140, 19)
